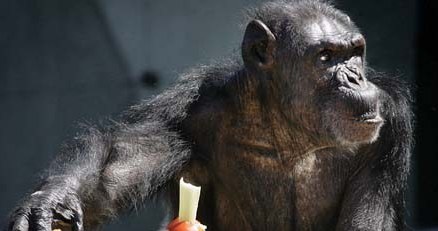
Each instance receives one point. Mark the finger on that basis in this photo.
(66, 219)
(77, 217)
(19, 220)
(40, 219)
(19, 224)
(63, 213)
(77, 220)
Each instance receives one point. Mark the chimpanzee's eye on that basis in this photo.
(325, 56)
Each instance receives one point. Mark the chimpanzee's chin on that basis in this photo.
(359, 131)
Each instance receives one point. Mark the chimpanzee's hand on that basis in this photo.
(46, 210)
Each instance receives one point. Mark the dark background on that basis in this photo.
(71, 61)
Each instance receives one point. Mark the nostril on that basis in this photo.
(352, 80)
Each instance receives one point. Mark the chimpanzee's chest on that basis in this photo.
(259, 193)
(319, 182)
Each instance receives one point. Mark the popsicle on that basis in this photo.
(188, 206)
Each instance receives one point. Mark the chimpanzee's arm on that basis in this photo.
(374, 199)
(101, 173)
(105, 171)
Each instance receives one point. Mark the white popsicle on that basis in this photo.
(188, 201)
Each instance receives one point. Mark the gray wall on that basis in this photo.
(73, 60)
(58, 67)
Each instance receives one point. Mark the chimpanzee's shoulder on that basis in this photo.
(198, 84)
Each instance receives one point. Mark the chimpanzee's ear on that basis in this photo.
(258, 46)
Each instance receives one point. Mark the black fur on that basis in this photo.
(116, 167)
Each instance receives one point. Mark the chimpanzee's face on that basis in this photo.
(331, 95)
(316, 68)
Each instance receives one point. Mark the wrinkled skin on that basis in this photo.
(296, 138)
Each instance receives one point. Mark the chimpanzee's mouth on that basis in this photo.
(363, 105)
(370, 117)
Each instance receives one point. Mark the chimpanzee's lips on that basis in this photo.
(370, 117)
(361, 105)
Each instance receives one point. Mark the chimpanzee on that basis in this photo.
(298, 136)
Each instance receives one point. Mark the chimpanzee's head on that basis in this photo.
(314, 59)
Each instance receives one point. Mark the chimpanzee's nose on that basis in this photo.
(351, 76)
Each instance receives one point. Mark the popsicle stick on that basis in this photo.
(188, 201)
